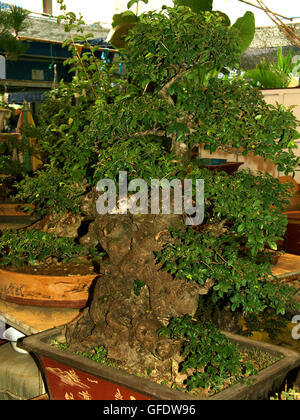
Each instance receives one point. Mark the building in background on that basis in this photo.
(42, 65)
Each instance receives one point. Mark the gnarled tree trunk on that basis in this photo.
(134, 298)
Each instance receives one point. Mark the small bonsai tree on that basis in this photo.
(150, 306)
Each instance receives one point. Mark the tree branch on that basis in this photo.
(181, 73)
(164, 91)
(260, 8)
(284, 28)
(154, 132)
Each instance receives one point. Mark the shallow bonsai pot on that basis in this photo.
(69, 376)
(228, 167)
(211, 161)
(70, 291)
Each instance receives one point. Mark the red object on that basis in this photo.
(67, 383)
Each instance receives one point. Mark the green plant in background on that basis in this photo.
(12, 22)
(268, 321)
(285, 63)
(8, 149)
(69, 157)
(20, 247)
(269, 75)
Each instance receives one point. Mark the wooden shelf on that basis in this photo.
(32, 319)
(288, 266)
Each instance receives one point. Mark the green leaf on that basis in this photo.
(196, 5)
(240, 228)
(124, 17)
(273, 245)
(121, 25)
(132, 2)
(245, 26)
(225, 18)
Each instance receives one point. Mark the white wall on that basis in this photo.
(234, 9)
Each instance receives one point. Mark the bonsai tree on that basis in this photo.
(153, 306)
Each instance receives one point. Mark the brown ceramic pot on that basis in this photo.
(70, 291)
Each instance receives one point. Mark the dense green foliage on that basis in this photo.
(208, 353)
(269, 75)
(50, 189)
(13, 21)
(28, 247)
(131, 126)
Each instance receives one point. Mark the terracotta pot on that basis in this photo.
(70, 291)
(70, 376)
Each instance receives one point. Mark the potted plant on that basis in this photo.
(41, 269)
(268, 75)
(154, 308)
